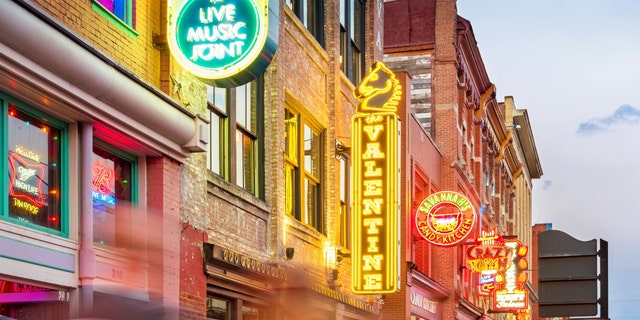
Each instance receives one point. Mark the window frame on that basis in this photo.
(134, 183)
(354, 71)
(303, 9)
(228, 129)
(126, 20)
(5, 102)
(300, 201)
(344, 168)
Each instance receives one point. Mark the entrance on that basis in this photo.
(28, 302)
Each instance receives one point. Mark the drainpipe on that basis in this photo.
(86, 256)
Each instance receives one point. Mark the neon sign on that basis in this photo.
(510, 296)
(488, 255)
(26, 180)
(224, 42)
(375, 176)
(103, 182)
(486, 283)
(445, 218)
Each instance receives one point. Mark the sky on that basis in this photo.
(575, 66)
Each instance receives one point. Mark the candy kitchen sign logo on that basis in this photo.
(223, 42)
(445, 218)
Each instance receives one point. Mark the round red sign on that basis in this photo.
(445, 218)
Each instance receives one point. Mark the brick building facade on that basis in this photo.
(131, 205)
(457, 137)
(95, 153)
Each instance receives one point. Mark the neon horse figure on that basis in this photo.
(379, 91)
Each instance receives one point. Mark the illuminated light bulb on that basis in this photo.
(53, 192)
(522, 277)
(523, 264)
(45, 129)
(12, 112)
(522, 251)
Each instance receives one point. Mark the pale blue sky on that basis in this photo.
(574, 65)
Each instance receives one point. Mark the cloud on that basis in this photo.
(625, 114)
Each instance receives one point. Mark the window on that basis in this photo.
(35, 161)
(221, 308)
(311, 14)
(119, 12)
(303, 163)
(352, 39)
(345, 199)
(236, 117)
(113, 187)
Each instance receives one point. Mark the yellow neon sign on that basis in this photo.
(375, 176)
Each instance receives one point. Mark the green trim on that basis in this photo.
(64, 165)
(128, 157)
(37, 263)
(126, 26)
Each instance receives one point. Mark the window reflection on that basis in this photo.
(34, 170)
(112, 197)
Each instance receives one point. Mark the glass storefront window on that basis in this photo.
(34, 165)
(218, 309)
(253, 312)
(112, 192)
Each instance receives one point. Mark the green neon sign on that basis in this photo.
(221, 41)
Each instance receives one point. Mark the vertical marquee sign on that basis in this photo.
(511, 296)
(225, 43)
(375, 183)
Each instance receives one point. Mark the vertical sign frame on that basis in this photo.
(375, 182)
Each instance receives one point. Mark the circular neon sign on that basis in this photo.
(445, 218)
(219, 39)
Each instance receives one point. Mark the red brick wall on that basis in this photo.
(193, 282)
(179, 276)
(447, 134)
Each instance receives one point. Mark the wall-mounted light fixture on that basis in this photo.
(289, 253)
(341, 255)
(514, 126)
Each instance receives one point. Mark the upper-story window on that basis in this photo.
(352, 39)
(120, 12)
(303, 168)
(344, 162)
(236, 119)
(35, 160)
(311, 14)
(113, 191)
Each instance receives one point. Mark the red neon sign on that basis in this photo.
(445, 218)
(103, 178)
(25, 182)
(510, 295)
(489, 255)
